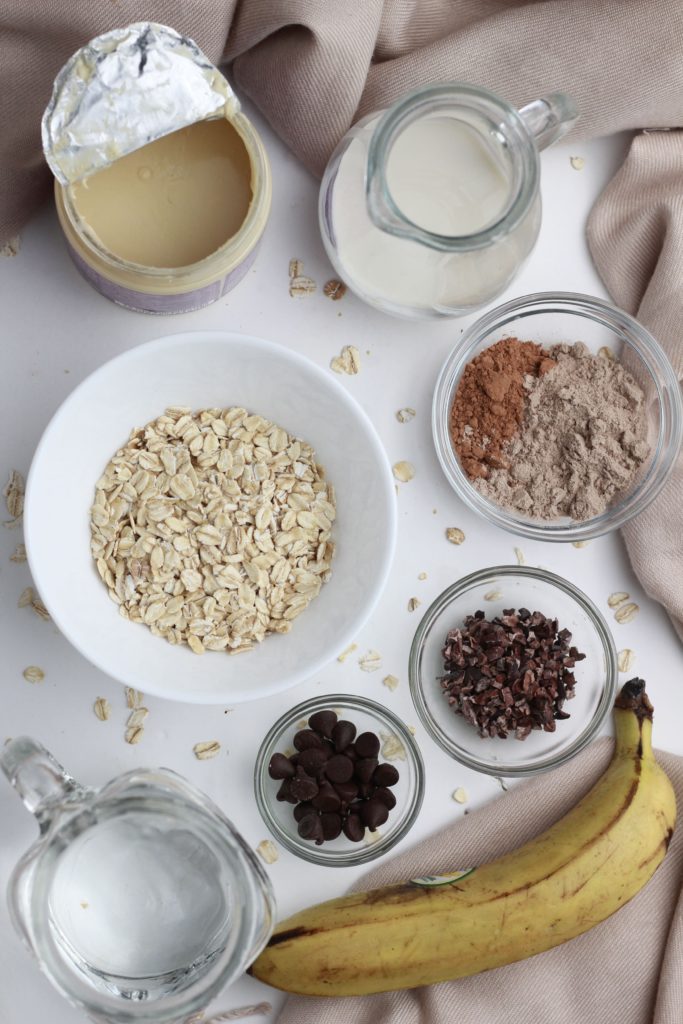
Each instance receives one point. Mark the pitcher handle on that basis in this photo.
(550, 118)
(38, 778)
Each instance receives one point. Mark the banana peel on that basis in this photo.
(562, 883)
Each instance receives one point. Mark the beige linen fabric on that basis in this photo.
(627, 970)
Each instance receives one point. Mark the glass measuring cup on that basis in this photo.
(140, 901)
(430, 208)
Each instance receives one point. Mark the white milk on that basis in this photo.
(446, 177)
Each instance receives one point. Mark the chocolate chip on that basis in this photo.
(303, 788)
(301, 810)
(304, 739)
(347, 791)
(280, 767)
(323, 722)
(367, 745)
(385, 775)
(353, 828)
(343, 733)
(285, 793)
(327, 798)
(374, 813)
(310, 827)
(366, 790)
(331, 825)
(386, 796)
(364, 769)
(312, 759)
(339, 768)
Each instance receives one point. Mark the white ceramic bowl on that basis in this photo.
(207, 369)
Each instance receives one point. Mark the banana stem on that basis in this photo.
(633, 721)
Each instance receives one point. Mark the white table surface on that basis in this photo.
(55, 330)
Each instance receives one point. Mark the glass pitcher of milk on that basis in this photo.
(430, 208)
(139, 901)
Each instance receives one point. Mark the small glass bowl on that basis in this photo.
(492, 590)
(366, 715)
(549, 318)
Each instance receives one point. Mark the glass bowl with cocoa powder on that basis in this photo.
(513, 670)
(557, 416)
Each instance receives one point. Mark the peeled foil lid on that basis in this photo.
(125, 89)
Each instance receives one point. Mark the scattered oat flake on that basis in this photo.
(606, 353)
(577, 162)
(204, 751)
(617, 598)
(26, 597)
(392, 747)
(301, 285)
(493, 595)
(19, 554)
(33, 674)
(370, 662)
(460, 795)
(133, 697)
(412, 730)
(626, 613)
(102, 709)
(40, 609)
(414, 603)
(137, 717)
(12, 524)
(11, 247)
(134, 735)
(404, 471)
(519, 555)
(391, 682)
(14, 494)
(345, 653)
(405, 415)
(422, 575)
(334, 290)
(268, 850)
(625, 659)
(371, 838)
(296, 267)
(579, 543)
(455, 535)
(348, 361)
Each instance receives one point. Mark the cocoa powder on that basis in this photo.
(490, 403)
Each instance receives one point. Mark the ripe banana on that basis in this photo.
(563, 882)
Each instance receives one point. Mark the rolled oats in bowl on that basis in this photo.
(213, 528)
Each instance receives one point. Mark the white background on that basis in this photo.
(56, 330)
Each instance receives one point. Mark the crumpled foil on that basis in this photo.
(125, 89)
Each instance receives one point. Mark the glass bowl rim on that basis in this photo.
(609, 689)
(651, 355)
(315, 854)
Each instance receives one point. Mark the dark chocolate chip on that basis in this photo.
(353, 828)
(312, 759)
(363, 770)
(304, 739)
(285, 793)
(301, 810)
(347, 791)
(303, 788)
(331, 825)
(323, 722)
(280, 767)
(310, 827)
(386, 796)
(343, 733)
(327, 799)
(367, 745)
(374, 813)
(339, 768)
(366, 790)
(385, 775)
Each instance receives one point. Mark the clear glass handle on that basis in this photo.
(38, 778)
(550, 118)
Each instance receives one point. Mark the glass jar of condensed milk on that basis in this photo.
(163, 186)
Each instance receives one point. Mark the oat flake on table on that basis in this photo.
(213, 528)
(268, 851)
(391, 682)
(370, 662)
(205, 751)
(404, 471)
(348, 361)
